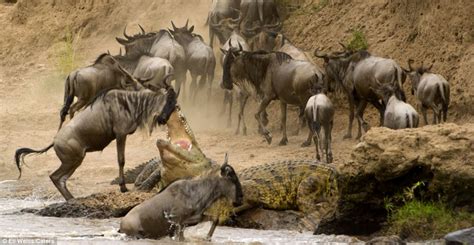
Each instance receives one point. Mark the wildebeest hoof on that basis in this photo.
(123, 189)
(306, 144)
(268, 137)
(283, 141)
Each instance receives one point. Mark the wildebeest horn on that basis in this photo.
(429, 68)
(230, 43)
(120, 52)
(226, 159)
(121, 41)
(165, 79)
(108, 52)
(125, 33)
(174, 27)
(319, 55)
(187, 21)
(240, 46)
(343, 46)
(141, 28)
(410, 62)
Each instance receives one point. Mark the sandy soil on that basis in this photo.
(31, 93)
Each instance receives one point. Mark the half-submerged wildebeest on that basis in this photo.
(432, 90)
(357, 73)
(319, 112)
(159, 44)
(114, 114)
(272, 76)
(398, 114)
(85, 83)
(182, 203)
(200, 58)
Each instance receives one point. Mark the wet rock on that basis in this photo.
(465, 236)
(387, 161)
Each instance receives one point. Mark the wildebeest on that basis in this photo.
(258, 15)
(263, 40)
(432, 90)
(85, 83)
(357, 73)
(182, 203)
(114, 114)
(234, 39)
(398, 114)
(145, 66)
(159, 44)
(222, 13)
(283, 44)
(200, 58)
(319, 112)
(271, 75)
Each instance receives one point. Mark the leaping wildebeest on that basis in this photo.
(432, 90)
(272, 76)
(182, 203)
(158, 44)
(222, 12)
(113, 115)
(200, 58)
(357, 73)
(85, 83)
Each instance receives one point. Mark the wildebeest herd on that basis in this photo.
(119, 93)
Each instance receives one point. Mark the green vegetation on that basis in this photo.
(320, 5)
(66, 53)
(358, 41)
(418, 220)
(422, 220)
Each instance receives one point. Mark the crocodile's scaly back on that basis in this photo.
(281, 185)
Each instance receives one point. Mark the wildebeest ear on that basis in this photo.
(121, 41)
(191, 29)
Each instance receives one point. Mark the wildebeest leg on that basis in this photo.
(71, 159)
(328, 141)
(436, 112)
(381, 110)
(76, 106)
(445, 111)
(351, 101)
(310, 133)
(210, 80)
(193, 87)
(424, 111)
(213, 228)
(259, 116)
(121, 161)
(360, 114)
(317, 140)
(301, 120)
(231, 101)
(284, 138)
(243, 101)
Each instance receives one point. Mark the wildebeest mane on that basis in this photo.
(198, 36)
(148, 39)
(130, 61)
(99, 58)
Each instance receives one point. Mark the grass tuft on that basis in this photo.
(358, 41)
(66, 53)
(417, 220)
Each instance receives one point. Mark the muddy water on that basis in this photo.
(14, 224)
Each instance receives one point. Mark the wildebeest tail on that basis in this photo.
(68, 99)
(399, 77)
(444, 92)
(22, 152)
(316, 124)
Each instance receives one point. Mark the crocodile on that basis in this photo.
(305, 186)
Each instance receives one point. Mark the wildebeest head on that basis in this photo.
(230, 56)
(385, 91)
(183, 35)
(229, 173)
(264, 40)
(415, 74)
(141, 42)
(335, 65)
